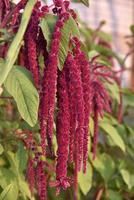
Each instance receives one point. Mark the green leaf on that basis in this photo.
(70, 28)
(114, 91)
(85, 180)
(21, 158)
(132, 29)
(14, 165)
(17, 42)
(91, 126)
(24, 189)
(114, 135)
(10, 192)
(6, 177)
(85, 2)
(128, 97)
(127, 177)
(113, 195)
(105, 166)
(1, 149)
(109, 119)
(92, 54)
(19, 85)
(47, 25)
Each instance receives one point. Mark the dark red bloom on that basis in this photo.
(41, 181)
(100, 102)
(75, 84)
(62, 131)
(31, 45)
(31, 175)
(2, 10)
(85, 77)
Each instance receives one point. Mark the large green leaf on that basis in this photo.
(47, 26)
(17, 42)
(104, 165)
(85, 180)
(70, 28)
(114, 135)
(10, 192)
(20, 86)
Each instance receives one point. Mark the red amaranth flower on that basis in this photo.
(75, 84)
(31, 41)
(62, 131)
(85, 76)
(41, 181)
(2, 10)
(100, 102)
(31, 175)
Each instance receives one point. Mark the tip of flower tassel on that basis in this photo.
(63, 183)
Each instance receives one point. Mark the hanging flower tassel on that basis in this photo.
(31, 41)
(41, 181)
(31, 175)
(85, 77)
(62, 133)
(75, 84)
(100, 102)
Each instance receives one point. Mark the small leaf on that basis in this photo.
(17, 42)
(10, 192)
(113, 195)
(1, 149)
(92, 54)
(132, 29)
(19, 85)
(85, 180)
(24, 189)
(85, 2)
(114, 135)
(105, 166)
(91, 126)
(114, 91)
(21, 158)
(128, 178)
(6, 177)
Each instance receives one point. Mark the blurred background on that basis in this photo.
(118, 16)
